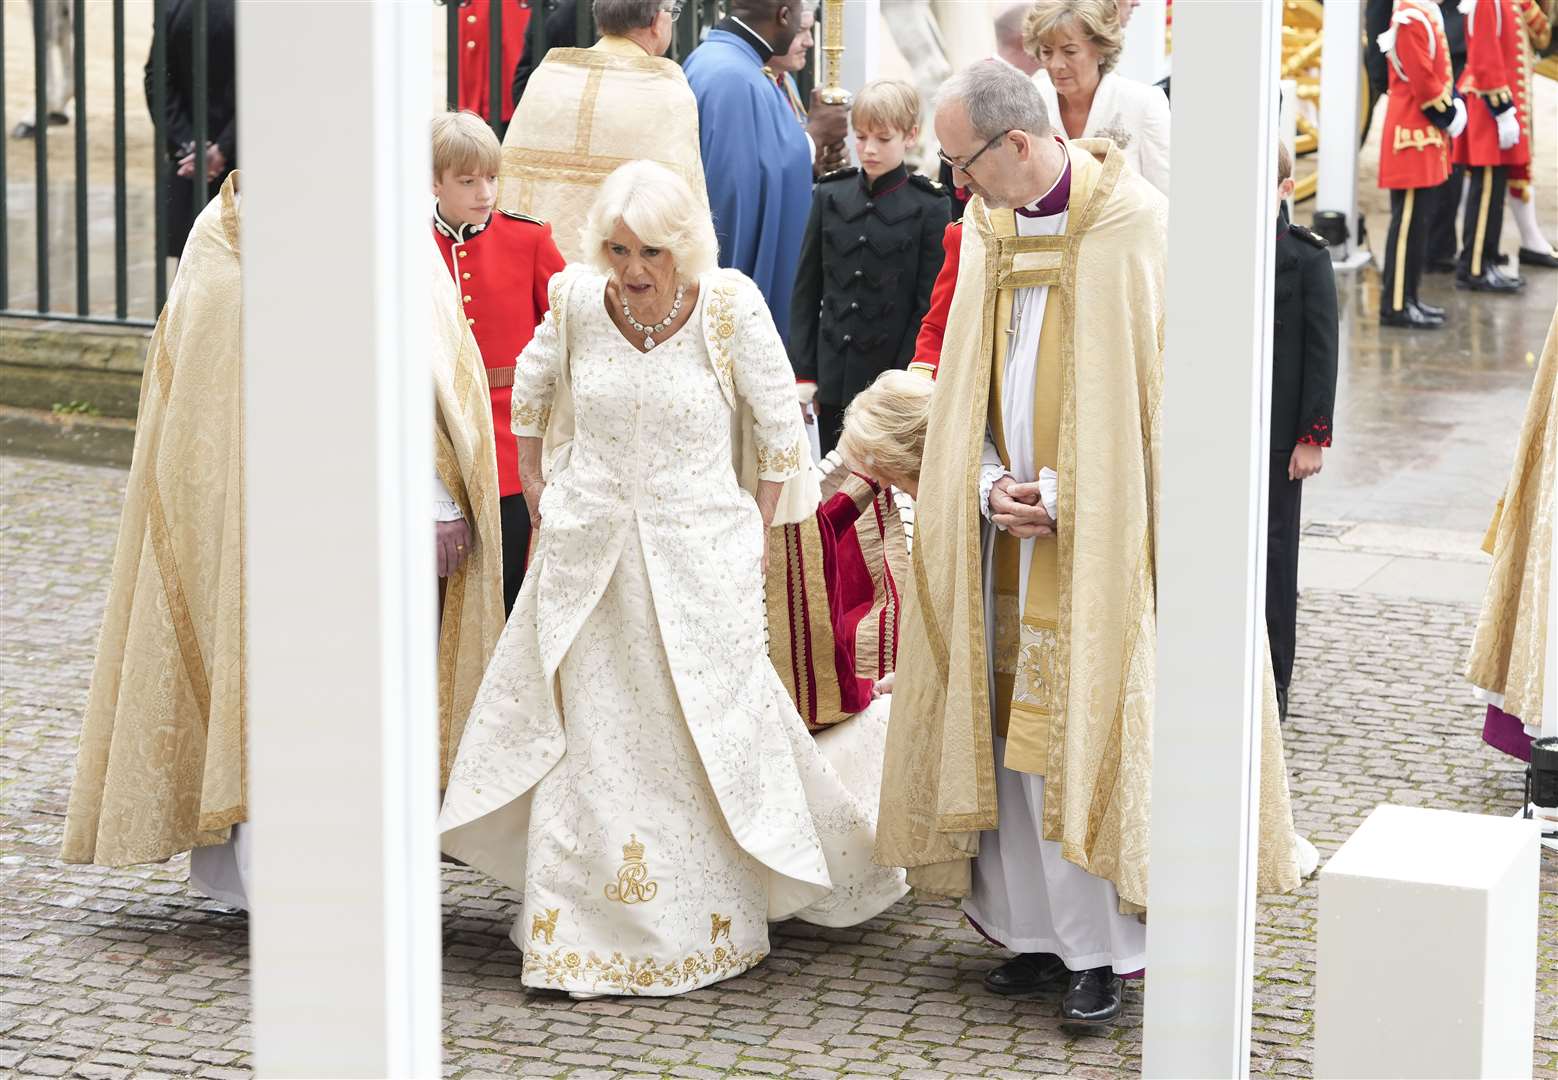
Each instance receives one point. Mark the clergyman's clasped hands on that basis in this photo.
(1017, 508)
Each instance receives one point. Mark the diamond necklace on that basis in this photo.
(650, 331)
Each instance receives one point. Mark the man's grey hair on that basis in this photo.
(998, 98)
(620, 16)
(1008, 24)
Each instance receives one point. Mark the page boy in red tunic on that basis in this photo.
(502, 263)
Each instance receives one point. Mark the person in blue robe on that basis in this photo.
(757, 161)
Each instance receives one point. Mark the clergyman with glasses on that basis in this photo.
(1028, 688)
(588, 111)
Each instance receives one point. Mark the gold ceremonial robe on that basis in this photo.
(1084, 669)
(161, 764)
(1507, 654)
(585, 113)
(467, 463)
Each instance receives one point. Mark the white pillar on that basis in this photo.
(1211, 541)
(1341, 60)
(345, 930)
(1144, 57)
(863, 33)
(1550, 679)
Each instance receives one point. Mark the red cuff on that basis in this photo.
(1318, 433)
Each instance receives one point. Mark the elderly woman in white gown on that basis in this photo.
(1077, 44)
(632, 765)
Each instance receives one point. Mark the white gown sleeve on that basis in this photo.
(766, 382)
(535, 371)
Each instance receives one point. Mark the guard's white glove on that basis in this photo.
(1458, 121)
(1508, 128)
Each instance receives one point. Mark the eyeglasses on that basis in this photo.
(964, 166)
(675, 9)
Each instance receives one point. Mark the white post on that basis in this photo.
(1211, 542)
(345, 934)
(1144, 57)
(1340, 87)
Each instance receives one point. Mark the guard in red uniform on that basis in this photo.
(1493, 140)
(476, 50)
(502, 263)
(1424, 115)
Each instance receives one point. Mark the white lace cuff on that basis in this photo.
(988, 475)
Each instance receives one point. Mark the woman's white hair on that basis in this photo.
(884, 426)
(661, 210)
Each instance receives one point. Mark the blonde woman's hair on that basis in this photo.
(661, 210)
(884, 426)
(464, 145)
(890, 105)
(1099, 19)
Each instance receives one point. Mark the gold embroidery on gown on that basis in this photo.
(632, 885)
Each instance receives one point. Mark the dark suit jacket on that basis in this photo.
(560, 31)
(1303, 377)
(868, 261)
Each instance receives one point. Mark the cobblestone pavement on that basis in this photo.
(118, 973)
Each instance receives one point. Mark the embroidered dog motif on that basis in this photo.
(718, 926)
(544, 926)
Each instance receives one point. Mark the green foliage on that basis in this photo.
(76, 408)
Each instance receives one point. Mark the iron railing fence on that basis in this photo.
(139, 286)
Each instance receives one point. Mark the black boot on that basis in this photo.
(1282, 702)
(1430, 310)
(1025, 973)
(1093, 999)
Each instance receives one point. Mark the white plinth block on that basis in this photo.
(1427, 954)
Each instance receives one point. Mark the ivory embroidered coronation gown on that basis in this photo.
(633, 766)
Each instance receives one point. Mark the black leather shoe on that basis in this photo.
(1025, 973)
(1282, 707)
(1409, 318)
(1515, 279)
(1490, 280)
(1528, 257)
(1430, 310)
(1093, 999)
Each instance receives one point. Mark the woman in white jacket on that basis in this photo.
(1077, 43)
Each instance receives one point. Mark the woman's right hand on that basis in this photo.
(533, 489)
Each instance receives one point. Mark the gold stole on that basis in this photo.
(1026, 262)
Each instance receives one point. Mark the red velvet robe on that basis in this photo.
(933, 328)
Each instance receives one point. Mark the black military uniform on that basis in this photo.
(869, 259)
(1303, 395)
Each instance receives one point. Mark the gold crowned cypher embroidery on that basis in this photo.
(632, 885)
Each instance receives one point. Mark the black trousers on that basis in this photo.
(830, 425)
(1282, 566)
(1443, 245)
(1406, 246)
(1484, 217)
(514, 517)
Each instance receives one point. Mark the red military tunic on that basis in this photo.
(1414, 151)
(933, 328)
(1491, 82)
(1538, 33)
(476, 48)
(502, 268)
